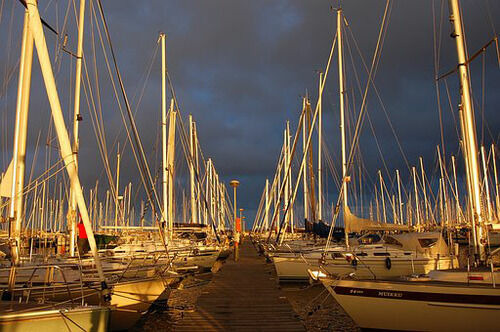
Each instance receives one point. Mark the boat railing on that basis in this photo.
(48, 283)
(137, 268)
(357, 257)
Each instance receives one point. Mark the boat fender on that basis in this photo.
(354, 262)
(388, 263)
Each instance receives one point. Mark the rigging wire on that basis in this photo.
(371, 78)
(141, 158)
(437, 56)
(355, 140)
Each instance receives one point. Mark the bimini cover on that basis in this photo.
(431, 243)
(355, 224)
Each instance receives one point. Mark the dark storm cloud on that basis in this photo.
(241, 67)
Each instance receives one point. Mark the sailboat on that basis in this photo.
(98, 292)
(447, 300)
(395, 255)
(27, 315)
(175, 243)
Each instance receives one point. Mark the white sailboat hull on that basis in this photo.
(296, 267)
(131, 299)
(203, 260)
(65, 319)
(417, 306)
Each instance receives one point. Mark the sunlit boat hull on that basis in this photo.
(294, 267)
(417, 306)
(129, 298)
(66, 319)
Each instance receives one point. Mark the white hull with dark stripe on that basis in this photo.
(417, 306)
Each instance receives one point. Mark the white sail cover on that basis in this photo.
(353, 223)
(6, 184)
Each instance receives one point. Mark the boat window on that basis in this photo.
(392, 241)
(337, 255)
(381, 254)
(427, 243)
(362, 254)
(369, 239)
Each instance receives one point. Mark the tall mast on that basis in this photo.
(469, 139)
(213, 195)
(310, 166)
(266, 218)
(457, 200)
(285, 174)
(21, 131)
(417, 203)
(76, 119)
(35, 26)
(117, 189)
(470, 203)
(209, 189)
(289, 182)
(382, 196)
(400, 203)
(194, 219)
(304, 169)
(207, 193)
(277, 202)
(164, 131)
(445, 196)
(170, 167)
(320, 146)
(219, 203)
(425, 212)
(342, 115)
(197, 163)
(223, 205)
(497, 197)
(486, 184)
(394, 211)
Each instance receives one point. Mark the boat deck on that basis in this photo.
(243, 296)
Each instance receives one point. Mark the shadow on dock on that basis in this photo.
(242, 296)
(245, 296)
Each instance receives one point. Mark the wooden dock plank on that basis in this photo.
(243, 296)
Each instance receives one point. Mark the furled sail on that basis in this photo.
(6, 184)
(355, 224)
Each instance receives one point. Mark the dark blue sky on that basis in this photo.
(241, 67)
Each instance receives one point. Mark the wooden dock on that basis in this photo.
(243, 296)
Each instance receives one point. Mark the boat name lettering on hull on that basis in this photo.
(390, 294)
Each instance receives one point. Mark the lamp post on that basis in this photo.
(236, 235)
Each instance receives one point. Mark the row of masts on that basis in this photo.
(419, 206)
(207, 205)
(117, 211)
(312, 211)
(33, 36)
(479, 211)
(421, 202)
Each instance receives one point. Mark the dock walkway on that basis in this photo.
(242, 296)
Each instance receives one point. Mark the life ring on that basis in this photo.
(388, 263)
